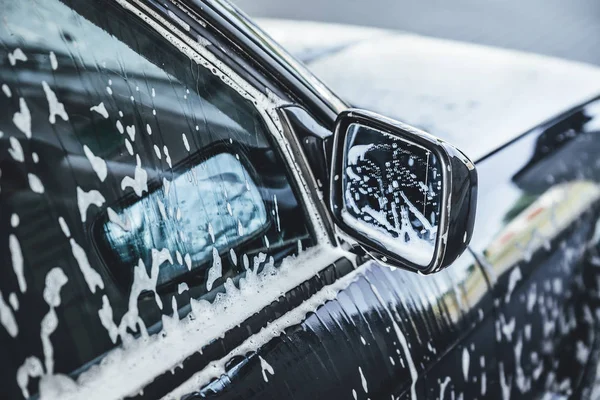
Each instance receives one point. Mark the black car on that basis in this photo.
(187, 212)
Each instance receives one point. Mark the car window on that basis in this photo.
(131, 180)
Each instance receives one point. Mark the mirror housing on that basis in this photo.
(406, 197)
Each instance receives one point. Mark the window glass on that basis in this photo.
(214, 205)
(116, 150)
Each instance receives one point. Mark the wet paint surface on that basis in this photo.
(536, 234)
(247, 320)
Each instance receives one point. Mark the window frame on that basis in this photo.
(219, 46)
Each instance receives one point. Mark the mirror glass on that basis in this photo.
(392, 192)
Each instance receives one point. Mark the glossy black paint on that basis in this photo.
(465, 309)
(316, 142)
(543, 273)
(459, 201)
(320, 358)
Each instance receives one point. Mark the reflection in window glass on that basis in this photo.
(216, 204)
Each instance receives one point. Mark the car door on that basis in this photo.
(536, 233)
(141, 195)
(161, 234)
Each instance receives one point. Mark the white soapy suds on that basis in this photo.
(7, 318)
(185, 142)
(557, 286)
(507, 328)
(56, 107)
(6, 90)
(31, 368)
(363, 381)
(179, 21)
(161, 209)
(131, 132)
(16, 55)
(443, 386)
(121, 221)
(167, 156)
(523, 383)
(211, 232)
(14, 301)
(55, 280)
(35, 184)
(142, 282)
(466, 359)
(22, 118)
(403, 342)
(92, 278)
(53, 61)
(139, 183)
(17, 261)
(483, 378)
(16, 150)
(265, 367)
(98, 164)
(100, 109)
(276, 211)
(505, 385)
(514, 277)
(86, 199)
(582, 353)
(64, 226)
(182, 287)
(215, 271)
(128, 146)
(14, 220)
(256, 291)
(531, 297)
(157, 152)
(105, 314)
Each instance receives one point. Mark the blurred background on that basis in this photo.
(567, 29)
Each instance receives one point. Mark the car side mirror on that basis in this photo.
(406, 197)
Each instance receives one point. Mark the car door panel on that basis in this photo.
(385, 322)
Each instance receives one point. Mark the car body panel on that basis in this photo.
(536, 235)
(354, 328)
(476, 97)
(388, 325)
